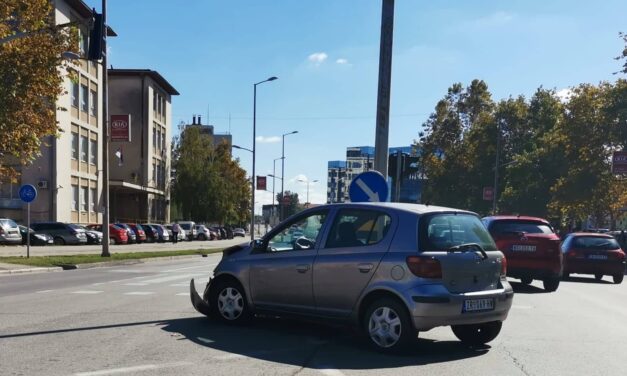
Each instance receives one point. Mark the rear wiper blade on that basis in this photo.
(465, 246)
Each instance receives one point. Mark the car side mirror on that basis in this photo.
(257, 245)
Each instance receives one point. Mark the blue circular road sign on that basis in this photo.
(28, 193)
(368, 186)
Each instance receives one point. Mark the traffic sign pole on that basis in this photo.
(28, 193)
(28, 230)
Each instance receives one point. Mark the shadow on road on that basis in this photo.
(521, 288)
(586, 280)
(290, 342)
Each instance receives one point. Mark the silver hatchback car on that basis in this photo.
(390, 269)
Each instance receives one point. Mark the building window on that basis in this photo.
(159, 104)
(93, 152)
(84, 147)
(163, 108)
(84, 198)
(154, 104)
(75, 197)
(74, 145)
(84, 98)
(75, 94)
(83, 42)
(154, 137)
(163, 140)
(93, 103)
(158, 145)
(154, 172)
(93, 196)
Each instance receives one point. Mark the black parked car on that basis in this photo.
(62, 233)
(93, 236)
(35, 238)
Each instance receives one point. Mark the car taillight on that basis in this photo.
(424, 266)
(1, 230)
(616, 255)
(573, 253)
(503, 266)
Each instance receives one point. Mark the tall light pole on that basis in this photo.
(496, 166)
(105, 141)
(281, 206)
(252, 200)
(273, 185)
(307, 181)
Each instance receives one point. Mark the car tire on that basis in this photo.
(202, 237)
(388, 327)
(477, 334)
(526, 280)
(566, 276)
(59, 241)
(228, 304)
(618, 278)
(551, 284)
(598, 277)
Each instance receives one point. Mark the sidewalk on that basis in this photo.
(16, 268)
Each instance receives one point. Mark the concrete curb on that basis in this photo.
(31, 270)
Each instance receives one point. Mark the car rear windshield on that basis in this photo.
(8, 223)
(186, 226)
(74, 227)
(443, 231)
(595, 242)
(514, 227)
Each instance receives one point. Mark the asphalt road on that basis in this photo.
(137, 319)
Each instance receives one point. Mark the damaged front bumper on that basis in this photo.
(199, 303)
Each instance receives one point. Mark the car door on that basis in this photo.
(356, 242)
(281, 271)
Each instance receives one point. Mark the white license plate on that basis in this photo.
(474, 305)
(597, 257)
(524, 248)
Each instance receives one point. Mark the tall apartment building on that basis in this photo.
(67, 173)
(139, 169)
(359, 159)
(209, 130)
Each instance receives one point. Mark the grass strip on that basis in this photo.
(47, 261)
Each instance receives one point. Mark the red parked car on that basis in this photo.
(531, 246)
(139, 231)
(117, 235)
(597, 254)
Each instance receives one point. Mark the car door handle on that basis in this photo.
(302, 268)
(365, 268)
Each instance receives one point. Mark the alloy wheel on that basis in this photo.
(230, 303)
(384, 327)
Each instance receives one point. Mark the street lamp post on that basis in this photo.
(281, 206)
(307, 181)
(252, 200)
(105, 141)
(273, 185)
(241, 148)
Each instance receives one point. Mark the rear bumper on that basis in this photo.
(533, 273)
(432, 306)
(10, 240)
(595, 267)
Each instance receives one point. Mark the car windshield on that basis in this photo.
(443, 231)
(515, 226)
(75, 226)
(595, 242)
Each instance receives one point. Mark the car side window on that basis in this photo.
(299, 234)
(358, 228)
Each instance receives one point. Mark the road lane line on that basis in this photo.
(146, 367)
(183, 294)
(43, 291)
(139, 293)
(172, 278)
(136, 284)
(86, 292)
(189, 267)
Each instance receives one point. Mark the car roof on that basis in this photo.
(591, 234)
(516, 217)
(413, 208)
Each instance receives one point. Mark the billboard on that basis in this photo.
(121, 128)
(619, 162)
(488, 193)
(261, 183)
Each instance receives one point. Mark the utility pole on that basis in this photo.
(105, 141)
(496, 166)
(383, 95)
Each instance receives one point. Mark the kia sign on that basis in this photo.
(121, 128)
(488, 193)
(261, 183)
(619, 162)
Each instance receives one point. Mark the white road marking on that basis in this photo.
(183, 294)
(98, 283)
(230, 357)
(190, 267)
(43, 291)
(330, 371)
(146, 367)
(172, 278)
(86, 292)
(136, 284)
(205, 340)
(139, 293)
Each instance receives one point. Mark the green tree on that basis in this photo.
(292, 204)
(31, 81)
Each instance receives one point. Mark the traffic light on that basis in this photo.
(96, 38)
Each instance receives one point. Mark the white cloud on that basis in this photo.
(564, 94)
(297, 178)
(341, 61)
(317, 58)
(268, 140)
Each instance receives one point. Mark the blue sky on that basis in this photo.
(325, 53)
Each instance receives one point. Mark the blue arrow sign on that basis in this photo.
(28, 193)
(368, 186)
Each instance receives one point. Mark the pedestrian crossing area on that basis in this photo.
(172, 282)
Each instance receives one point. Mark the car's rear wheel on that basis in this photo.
(59, 241)
(388, 326)
(202, 237)
(526, 280)
(477, 334)
(227, 302)
(618, 278)
(598, 277)
(551, 284)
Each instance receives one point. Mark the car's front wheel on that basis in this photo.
(618, 278)
(228, 303)
(551, 284)
(526, 280)
(59, 241)
(477, 334)
(388, 326)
